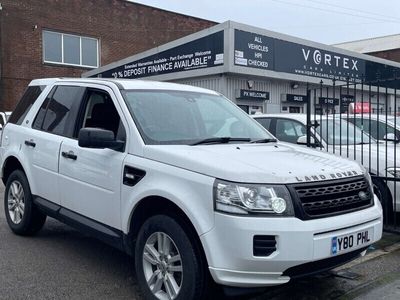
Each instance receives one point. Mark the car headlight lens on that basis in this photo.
(240, 198)
(395, 172)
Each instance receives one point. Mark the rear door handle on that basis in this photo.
(69, 154)
(30, 143)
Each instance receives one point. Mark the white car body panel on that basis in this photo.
(91, 184)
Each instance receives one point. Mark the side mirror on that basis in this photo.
(390, 137)
(98, 138)
(302, 140)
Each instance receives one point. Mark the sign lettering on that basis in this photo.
(253, 95)
(253, 50)
(296, 98)
(205, 52)
(328, 101)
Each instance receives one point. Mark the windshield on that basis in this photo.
(341, 132)
(179, 117)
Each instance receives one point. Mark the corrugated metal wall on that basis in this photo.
(230, 86)
(211, 83)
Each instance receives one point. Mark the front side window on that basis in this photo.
(68, 49)
(289, 130)
(178, 117)
(100, 112)
(340, 132)
(58, 112)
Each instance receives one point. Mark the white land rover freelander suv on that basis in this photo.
(185, 181)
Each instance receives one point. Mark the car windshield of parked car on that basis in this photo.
(180, 117)
(341, 132)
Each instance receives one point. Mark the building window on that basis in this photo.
(68, 49)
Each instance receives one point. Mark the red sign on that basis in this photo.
(359, 107)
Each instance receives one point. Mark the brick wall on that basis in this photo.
(388, 54)
(123, 29)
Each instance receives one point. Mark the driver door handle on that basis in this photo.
(30, 143)
(69, 154)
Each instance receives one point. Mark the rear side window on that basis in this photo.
(59, 112)
(24, 105)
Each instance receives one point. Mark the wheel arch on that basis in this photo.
(157, 205)
(11, 163)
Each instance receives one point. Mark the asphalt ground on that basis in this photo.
(61, 263)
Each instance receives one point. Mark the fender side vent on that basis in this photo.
(132, 175)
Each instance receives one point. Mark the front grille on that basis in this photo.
(320, 199)
(264, 245)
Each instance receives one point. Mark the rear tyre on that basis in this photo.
(23, 217)
(167, 263)
(385, 197)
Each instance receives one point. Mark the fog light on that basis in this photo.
(278, 205)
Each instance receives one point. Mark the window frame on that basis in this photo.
(63, 50)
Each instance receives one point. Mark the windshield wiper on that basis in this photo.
(220, 140)
(269, 140)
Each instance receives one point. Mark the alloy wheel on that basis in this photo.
(162, 266)
(16, 202)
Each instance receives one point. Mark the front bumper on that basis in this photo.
(229, 245)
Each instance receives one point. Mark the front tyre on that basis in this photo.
(22, 215)
(167, 263)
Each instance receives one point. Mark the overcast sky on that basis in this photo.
(324, 21)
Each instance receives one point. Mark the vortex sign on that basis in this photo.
(330, 59)
(317, 57)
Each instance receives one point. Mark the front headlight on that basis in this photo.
(239, 198)
(395, 172)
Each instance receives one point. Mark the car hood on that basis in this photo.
(255, 163)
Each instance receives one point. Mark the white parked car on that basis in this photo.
(343, 139)
(185, 181)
